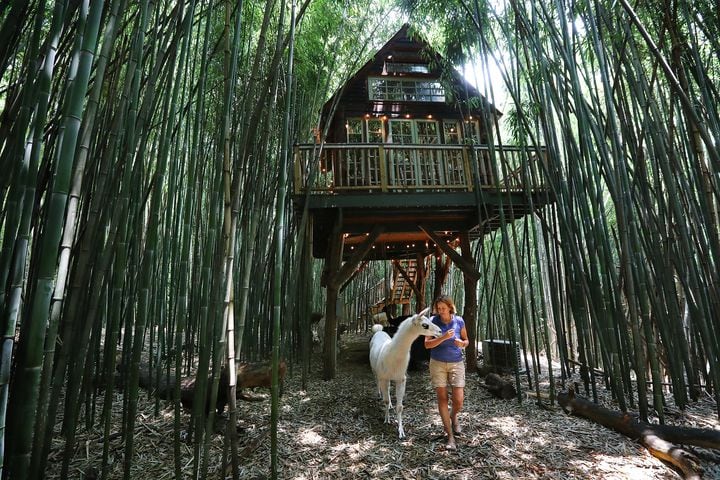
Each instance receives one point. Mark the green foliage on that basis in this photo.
(623, 97)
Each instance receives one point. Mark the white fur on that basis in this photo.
(389, 358)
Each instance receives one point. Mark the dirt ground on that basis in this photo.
(335, 429)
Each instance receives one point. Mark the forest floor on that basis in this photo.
(335, 429)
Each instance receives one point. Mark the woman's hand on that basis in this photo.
(449, 334)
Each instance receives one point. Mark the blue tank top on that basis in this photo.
(447, 351)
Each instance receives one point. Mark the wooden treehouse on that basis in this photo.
(407, 169)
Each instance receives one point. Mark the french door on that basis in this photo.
(413, 166)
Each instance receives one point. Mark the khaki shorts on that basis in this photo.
(443, 374)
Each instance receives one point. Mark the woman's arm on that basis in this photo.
(463, 341)
(432, 342)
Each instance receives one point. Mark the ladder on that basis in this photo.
(401, 290)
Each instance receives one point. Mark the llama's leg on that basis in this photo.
(399, 394)
(384, 387)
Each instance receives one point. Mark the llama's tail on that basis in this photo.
(377, 328)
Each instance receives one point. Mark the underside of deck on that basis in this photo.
(406, 218)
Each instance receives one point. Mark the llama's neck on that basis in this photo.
(405, 336)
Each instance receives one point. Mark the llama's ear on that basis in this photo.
(422, 314)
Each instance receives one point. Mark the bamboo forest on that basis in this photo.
(210, 208)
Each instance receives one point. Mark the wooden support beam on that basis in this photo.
(442, 268)
(466, 267)
(344, 273)
(354, 274)
(335, 251)
(332, 265)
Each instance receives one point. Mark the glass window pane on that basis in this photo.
(427, 132)
(451, 132)
(354, 130)
(471, 130)
(392, 67)
(405, 90)
(375, 133)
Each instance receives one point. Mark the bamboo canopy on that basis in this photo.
(145, 219)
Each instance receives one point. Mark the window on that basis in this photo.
(375, 130)
(424, 132)
(401, 131)
(360, 130)
(354, 129)
(427, 132)
(451, 131)
(405, 90)
(472, 131)
(393, 67)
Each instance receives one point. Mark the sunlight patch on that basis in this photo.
(507, 425)
(310, 437)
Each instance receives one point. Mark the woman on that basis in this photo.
(446, 364)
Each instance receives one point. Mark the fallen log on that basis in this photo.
(499, 387)
(249, 375)
(658, 439)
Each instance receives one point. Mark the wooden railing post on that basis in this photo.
(468, 170)
(383, 168)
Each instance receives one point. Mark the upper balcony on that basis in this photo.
(335, 169)
(412, 189)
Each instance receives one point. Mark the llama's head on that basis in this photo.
(424, 326)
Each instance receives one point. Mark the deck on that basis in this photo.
(409, 189)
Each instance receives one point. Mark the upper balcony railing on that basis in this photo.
(362, 167)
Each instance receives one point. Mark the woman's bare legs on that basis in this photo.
(442, 399)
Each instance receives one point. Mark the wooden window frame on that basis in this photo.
(416, 90)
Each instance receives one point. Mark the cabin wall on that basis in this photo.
(404, 50)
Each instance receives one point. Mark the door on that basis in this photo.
(427, 133)
(413, 166)
(401, 161)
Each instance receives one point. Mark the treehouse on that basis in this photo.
(408, 154)
(408, 167)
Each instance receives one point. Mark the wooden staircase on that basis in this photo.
(402, 292)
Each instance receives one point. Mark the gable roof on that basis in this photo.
(408, 46)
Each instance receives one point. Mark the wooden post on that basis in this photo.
(383, 169)
(442, 268)
(330, 338)
(334, 277)
(420, 282)
(468, 170)
(468, 267)
(332, 265)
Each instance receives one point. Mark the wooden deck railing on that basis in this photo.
(344, 168)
